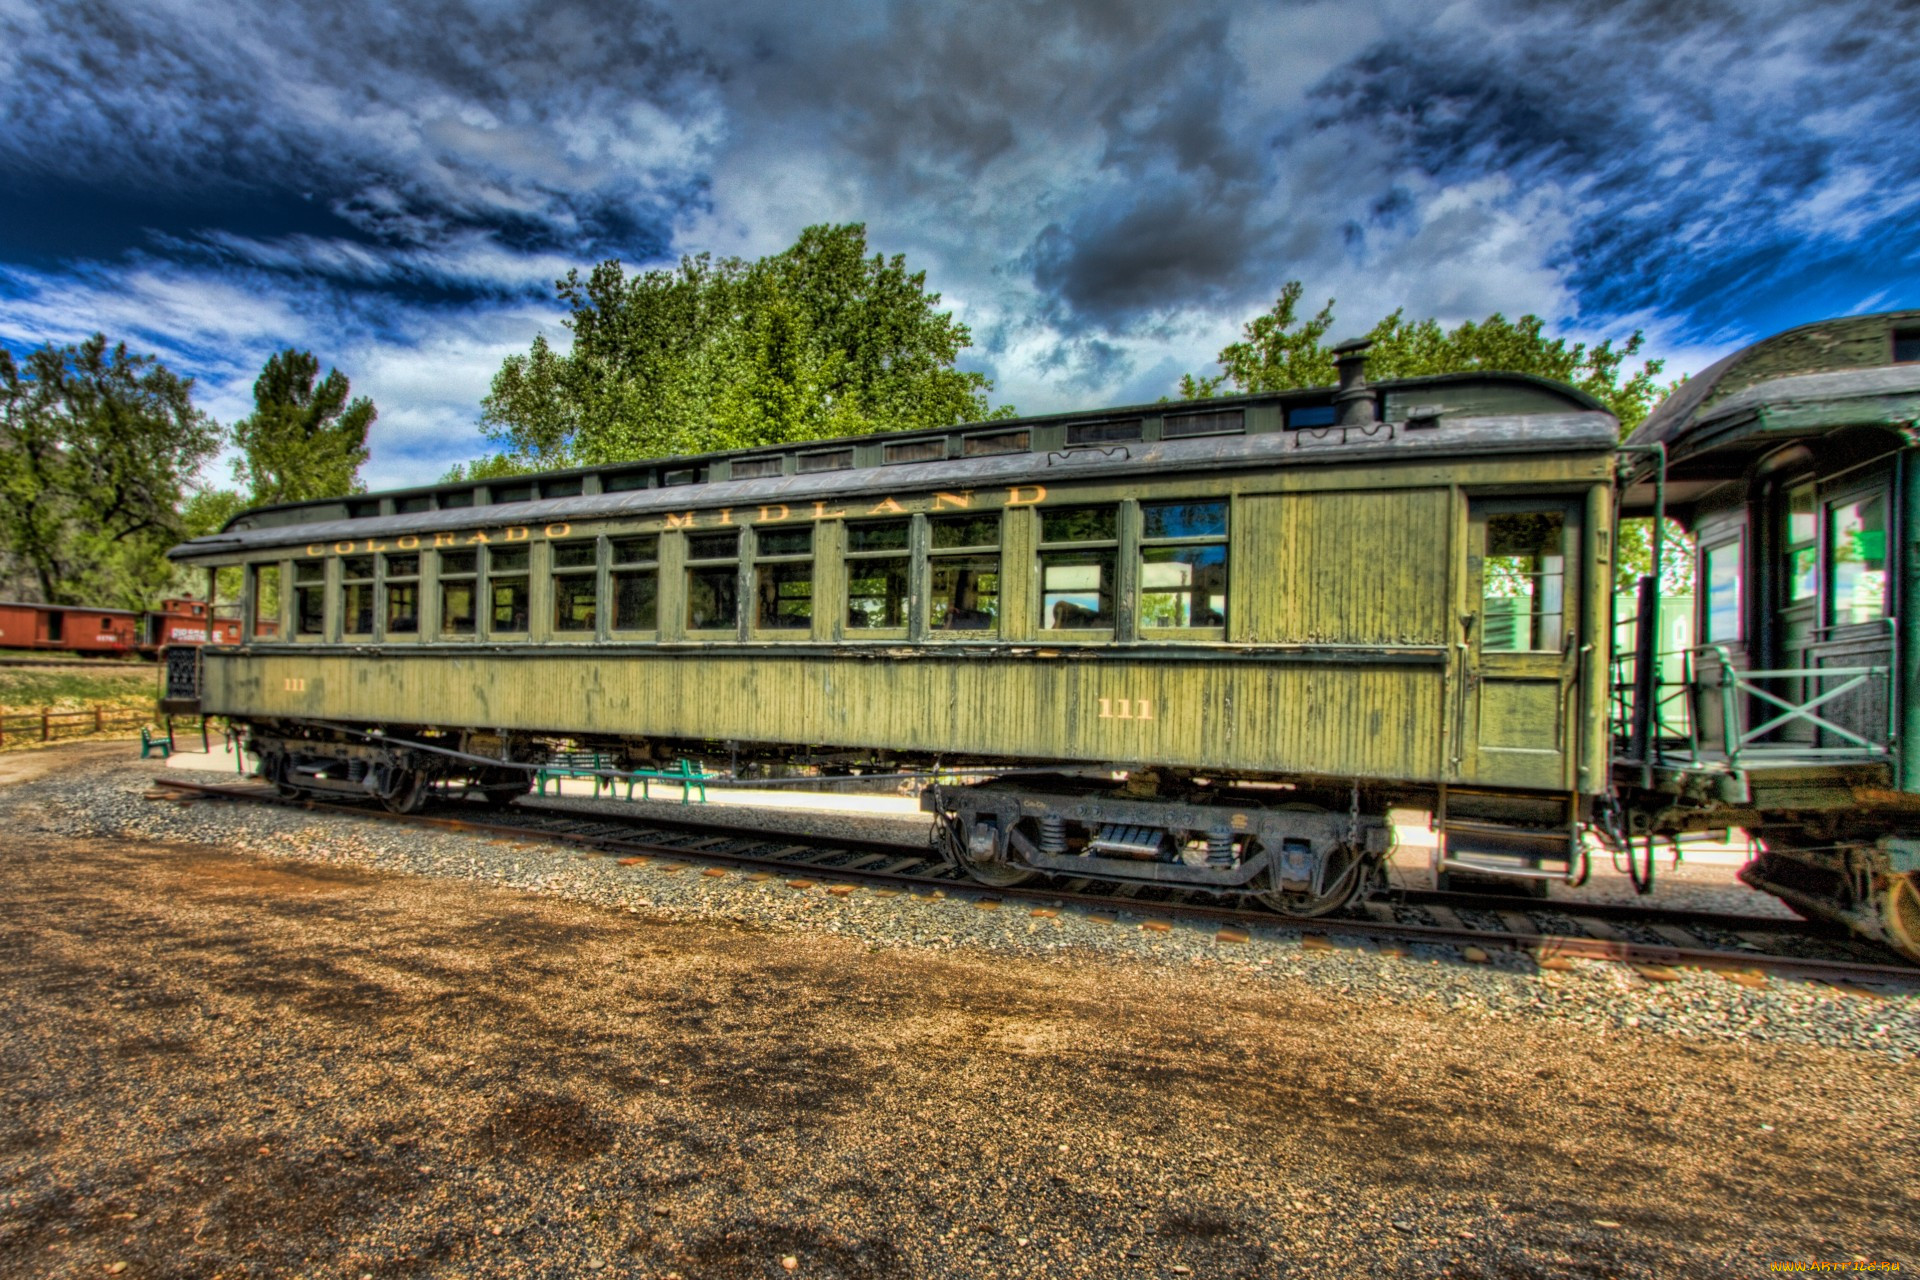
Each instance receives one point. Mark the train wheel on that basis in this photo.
(1348, 873)
(277, 768)
(410, 795)
(1900, 912)
(992, 873)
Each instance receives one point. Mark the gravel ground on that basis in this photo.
(261, 1042)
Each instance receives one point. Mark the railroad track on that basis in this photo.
(1656, 941)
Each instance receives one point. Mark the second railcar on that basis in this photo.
(1796, 464)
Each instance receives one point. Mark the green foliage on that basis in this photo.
(208, 510)
(495, 466)
(96, 449)
(305, 439)
(1633, 557)
(814, 342)
(1279, 351)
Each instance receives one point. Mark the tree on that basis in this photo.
(1279, 351)
(819, 340)
(96, 449)
(304, 439)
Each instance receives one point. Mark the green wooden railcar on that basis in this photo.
(1793, 463)
(1235, 630)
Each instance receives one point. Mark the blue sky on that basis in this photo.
(1103, 190)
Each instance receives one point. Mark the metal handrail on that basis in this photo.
(1732, 684)
(1735, 682)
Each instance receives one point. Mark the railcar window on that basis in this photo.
(1523, 579)
(506, 590)
(459, 573)
(1857, 587)
(1104, 432)
(713, 581)
(1183, 565)
(1312, 415)
(963, 573)
(825, 460)
(412, 506)
(998, 442)
(914, 451)
(513, 492)
(636, 582)
(266, 601)
(1803, 546)
(1724, 573)
(1079, 551)
(576, 585)
(783, 578)
(402, 589)
(878, 573)
(755, 468)
(1228, 422)
(309, 598)
(356, 592)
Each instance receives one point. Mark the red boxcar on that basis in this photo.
(72, 628)
(185, 622)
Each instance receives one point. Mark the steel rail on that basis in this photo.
(1541, 946)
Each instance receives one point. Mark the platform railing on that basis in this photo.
(1750, 714)
(1737, 686)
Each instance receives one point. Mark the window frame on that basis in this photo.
(924, 630)
(689, 565)
(595, 573)
(317, 584)
(490, 574)
(759, 560)
(383, 601)
(1114, 546)
(257, 596)
(1790, 549)
(1562, 614)
(1826, 598)
(372, 584)
(613, 567)
(1736, 542)
(850, 558)
(442, 579)
(1143, 543)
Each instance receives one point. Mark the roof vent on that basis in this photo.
(1358, 408)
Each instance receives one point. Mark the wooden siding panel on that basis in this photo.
(1350, 568)
(1376, 721)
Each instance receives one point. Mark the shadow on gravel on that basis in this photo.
(747, 1248)
(546, 1126)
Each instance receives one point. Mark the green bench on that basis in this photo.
(686, 775)
(571, 764)
(595, 765)
(152, 740)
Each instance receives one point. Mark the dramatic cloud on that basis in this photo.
(1103, 189)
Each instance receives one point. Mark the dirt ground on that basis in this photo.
(218, 1065)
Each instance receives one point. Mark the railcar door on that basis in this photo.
(1521, 629)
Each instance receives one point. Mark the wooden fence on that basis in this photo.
(46, 724)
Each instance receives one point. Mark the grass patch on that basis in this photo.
(25, 689)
